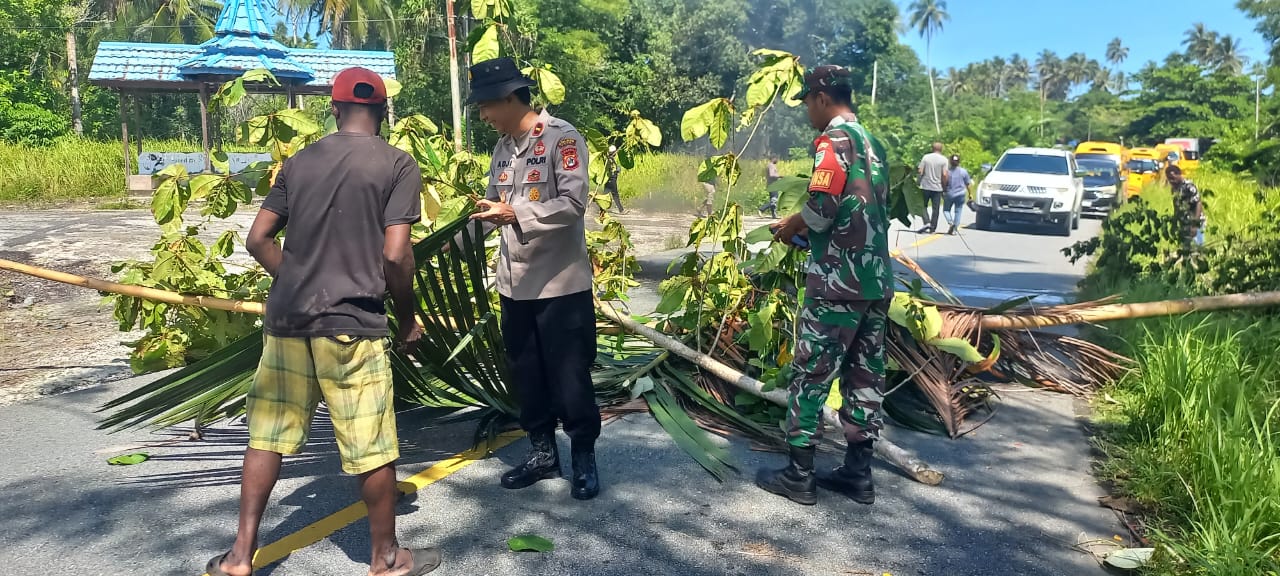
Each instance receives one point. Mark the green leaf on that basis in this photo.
(225, 245)
(548, 83)
(203, 185)
(932, 324)
(760, 93)
(1010, 304)
(644, 130)
(128, 459)
(673, 295)
(642, 385)
(713, 119)
(486, 46)
(393, 86)
(761, 234)
(760, 334)
(793, 192)
(220, 162)
(530, 543)
(958, 347)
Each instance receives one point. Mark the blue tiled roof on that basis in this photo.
(132, 61)
(241, 43)
(243, 17)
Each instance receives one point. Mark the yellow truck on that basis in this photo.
(1144, 168)
(1104, 166)
(1190, 153)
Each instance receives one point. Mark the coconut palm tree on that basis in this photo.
(1117, 53)
(927, 17)
(1200, 43)
(1226, 55)
(953, 82)
(1049, 74)
(1000, 75)
(1075, 70)
(1019, 71)
(350, 23)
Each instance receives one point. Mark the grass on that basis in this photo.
(669, 183)
(73, 170)
(1194, 433)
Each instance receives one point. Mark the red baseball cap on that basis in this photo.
(359, 86)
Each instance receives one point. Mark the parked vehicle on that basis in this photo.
(1190, 162)
(1107, 171)
(1142, 171)
(1035, 186)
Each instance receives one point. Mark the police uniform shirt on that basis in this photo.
(543, 176)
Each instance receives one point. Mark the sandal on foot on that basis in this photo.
(424, 560)
(214, 567)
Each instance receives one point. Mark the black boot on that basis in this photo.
(854, 478)
(796, 482)
(586, 481)
(543, 462)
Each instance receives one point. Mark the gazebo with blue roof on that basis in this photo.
(241, 42)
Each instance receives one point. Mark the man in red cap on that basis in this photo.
(349, 201)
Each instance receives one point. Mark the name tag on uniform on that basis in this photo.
(535, 176)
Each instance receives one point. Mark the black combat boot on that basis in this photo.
(543, 462)
(586, 481)
(796, 482)
(854, 478)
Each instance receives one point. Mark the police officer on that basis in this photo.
(537, 197)
(848, 287)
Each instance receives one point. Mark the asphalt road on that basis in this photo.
(1018, 493)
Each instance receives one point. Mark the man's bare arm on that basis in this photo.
(398, 267)
(262, 243)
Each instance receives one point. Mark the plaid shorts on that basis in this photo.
(352, 376)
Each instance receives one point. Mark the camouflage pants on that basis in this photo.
(844, 338)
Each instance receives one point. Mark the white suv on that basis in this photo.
(1032, 185)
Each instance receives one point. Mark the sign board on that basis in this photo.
(153, 162)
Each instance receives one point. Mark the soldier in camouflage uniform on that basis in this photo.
(848, 287)
(1187, 208)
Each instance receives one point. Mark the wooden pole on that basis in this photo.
(135, 291)
(137, 124)
(455, 91)
(885, 449)
(1107, 312)
(391, 112)
(204, 127)
(875, 80)
(124, 135)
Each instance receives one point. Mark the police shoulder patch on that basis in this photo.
(567, 141)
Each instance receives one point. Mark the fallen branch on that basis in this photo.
(1105, 312)
(885, 449)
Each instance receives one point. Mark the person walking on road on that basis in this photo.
(1187, 207)
(349, 202)
(932, 172)
(848, 287)
(958, 183)
(537, 197)
(612, 170)
(771, 176)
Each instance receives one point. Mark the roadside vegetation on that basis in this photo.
(1193, 435)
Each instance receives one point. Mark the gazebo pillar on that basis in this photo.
(204, 127)
(124, 134)
(391, 112)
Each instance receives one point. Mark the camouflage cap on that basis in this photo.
(825, 76)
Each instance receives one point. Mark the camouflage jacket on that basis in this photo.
(1188, 210)
(848, 217)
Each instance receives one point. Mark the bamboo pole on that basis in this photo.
(1105, 312)
(885, 449)
(134, 291)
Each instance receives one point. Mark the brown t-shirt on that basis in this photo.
(337, 197)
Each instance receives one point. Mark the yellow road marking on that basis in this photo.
(321, 529)
(916, 244)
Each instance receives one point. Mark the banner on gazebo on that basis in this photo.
(153, 162)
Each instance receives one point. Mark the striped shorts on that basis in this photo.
(352, 376)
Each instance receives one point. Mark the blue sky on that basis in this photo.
(980, 29)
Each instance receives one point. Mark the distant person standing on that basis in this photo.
(612, 169)
(709, 198)
(958, 183)
(1188, 209)
(771, 176)
(932, 172)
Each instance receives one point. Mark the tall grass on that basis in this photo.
(1194, 433)
(669, 182)
(67, 170)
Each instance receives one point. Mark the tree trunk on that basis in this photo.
(1106, 312)
(73, 78)
(933, 96)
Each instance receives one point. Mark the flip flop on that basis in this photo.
(424, 560)
(214, 567)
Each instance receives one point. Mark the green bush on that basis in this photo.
(69, 169)
(30, 125)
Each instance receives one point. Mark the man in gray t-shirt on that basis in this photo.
(932, 172)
